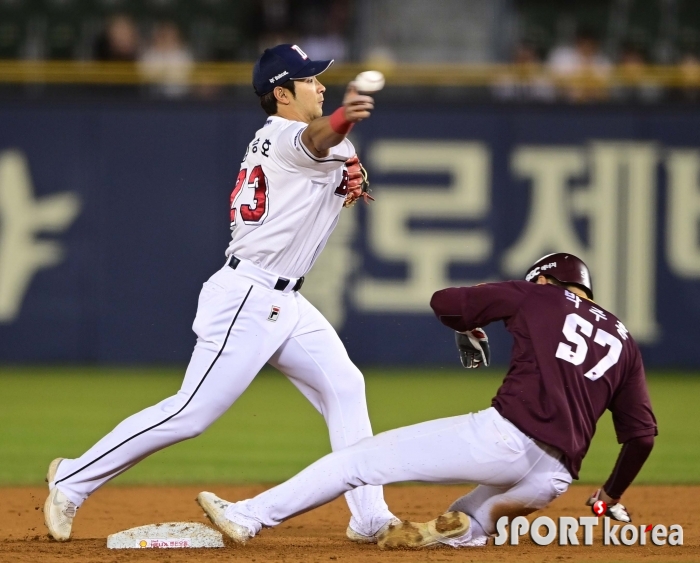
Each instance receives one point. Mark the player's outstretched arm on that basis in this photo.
(629, 463)
(326, 132)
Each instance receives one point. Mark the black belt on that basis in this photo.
(281, 284)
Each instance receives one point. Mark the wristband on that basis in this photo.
(338, 122)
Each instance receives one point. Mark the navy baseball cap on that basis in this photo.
(282, 63)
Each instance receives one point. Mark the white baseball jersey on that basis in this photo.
(283, 209)
(286, 201)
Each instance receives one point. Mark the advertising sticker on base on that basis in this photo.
(164, 543)
(170, 535)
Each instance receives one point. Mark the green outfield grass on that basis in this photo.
(272, 432)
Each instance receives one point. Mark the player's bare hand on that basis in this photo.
(358, 184)
(357, 106)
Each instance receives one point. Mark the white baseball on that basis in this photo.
(369, 81)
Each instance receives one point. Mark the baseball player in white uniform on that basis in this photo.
(297, 174)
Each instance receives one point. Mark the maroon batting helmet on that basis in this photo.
(565, 268)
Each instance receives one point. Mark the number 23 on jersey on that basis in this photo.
(255, 213)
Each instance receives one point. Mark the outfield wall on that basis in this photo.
(111, 217)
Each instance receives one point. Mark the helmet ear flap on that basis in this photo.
(587, 291)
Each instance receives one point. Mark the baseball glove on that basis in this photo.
(616, 511)
(474, 349)
(358, 184)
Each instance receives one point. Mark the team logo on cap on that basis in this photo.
(298, 50)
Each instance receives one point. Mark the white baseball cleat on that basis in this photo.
(215, 509)
(59, 510)
(357, 537)
(53, 467)
(422, 534)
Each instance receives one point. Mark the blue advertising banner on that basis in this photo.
(111, 218)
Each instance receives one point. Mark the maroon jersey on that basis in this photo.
(571, 360)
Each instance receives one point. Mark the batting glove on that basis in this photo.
(474, 349)
(616, 511)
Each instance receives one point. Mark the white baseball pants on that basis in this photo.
(242, 323)
(516, 475)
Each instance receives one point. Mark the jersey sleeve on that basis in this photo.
(292, 151)
(629, 463)
(631, 406)
(466, 308)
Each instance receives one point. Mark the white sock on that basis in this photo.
(232, 514)
(475, 536)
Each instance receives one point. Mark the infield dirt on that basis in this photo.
(319, 536)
